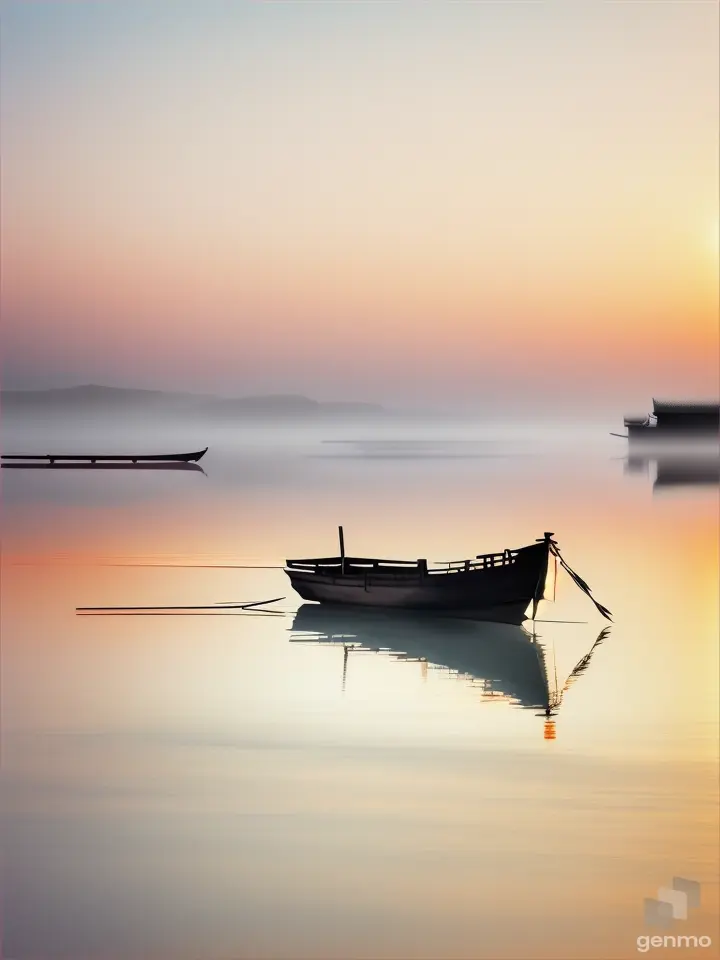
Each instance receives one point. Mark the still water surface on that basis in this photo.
(225, 786)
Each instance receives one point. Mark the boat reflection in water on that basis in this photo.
(505, 661)
(677, 470)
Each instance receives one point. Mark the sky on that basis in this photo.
(468, 204)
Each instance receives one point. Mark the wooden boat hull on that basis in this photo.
(500, 591)
(109, 458)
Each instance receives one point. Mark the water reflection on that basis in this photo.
(676, 470)
(183, 788)
(505, 662)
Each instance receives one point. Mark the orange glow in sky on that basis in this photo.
(361, 200)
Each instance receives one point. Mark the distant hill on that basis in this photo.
(91, 399)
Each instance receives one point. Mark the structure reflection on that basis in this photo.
(701, 469)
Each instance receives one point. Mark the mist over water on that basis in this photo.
(392, 435)
(274, 785)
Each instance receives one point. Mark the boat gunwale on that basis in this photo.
(362, 567)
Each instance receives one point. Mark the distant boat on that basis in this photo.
(153, 465)
(493, 586)
(676, 421)
(109, 458)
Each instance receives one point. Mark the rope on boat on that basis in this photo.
(579, 581)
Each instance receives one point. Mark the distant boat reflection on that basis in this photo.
(677, 470)
(417, 449)
(505, 661)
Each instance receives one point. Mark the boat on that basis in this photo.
(493, 586)
(108, 457)
(156, 465)
(505, 661)
(676, 420)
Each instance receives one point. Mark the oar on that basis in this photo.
(256, 612)
(246, 606)
(257, 603)
(211, 606)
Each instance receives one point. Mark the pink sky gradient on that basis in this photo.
(452, 203)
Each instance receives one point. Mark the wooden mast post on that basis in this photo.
(342, 550)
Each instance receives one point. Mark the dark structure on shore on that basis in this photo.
(676, 420)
